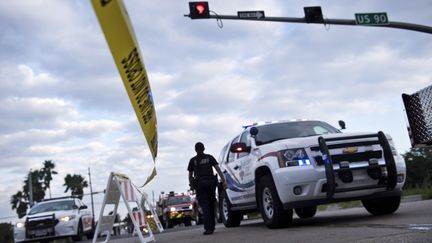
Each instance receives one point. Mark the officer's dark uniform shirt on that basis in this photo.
(201, 166)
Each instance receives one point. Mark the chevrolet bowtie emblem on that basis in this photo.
(350, 150)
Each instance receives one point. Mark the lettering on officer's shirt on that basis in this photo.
(201, 162)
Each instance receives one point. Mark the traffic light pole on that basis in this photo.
(390, 24)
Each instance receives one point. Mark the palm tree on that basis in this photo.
(76, 184)
(21, 200)
(40, 181)
(46, 173)
(19, 203)
(37, 186)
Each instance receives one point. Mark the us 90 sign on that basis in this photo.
(371, 19)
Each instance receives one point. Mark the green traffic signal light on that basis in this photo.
(199, 10)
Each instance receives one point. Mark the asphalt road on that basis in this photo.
(411, 223)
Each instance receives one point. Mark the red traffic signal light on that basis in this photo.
(199, 10)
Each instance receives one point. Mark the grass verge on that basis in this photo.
(341, 205)
(425, 192)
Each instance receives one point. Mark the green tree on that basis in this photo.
(419, 167)
(21, 200)
(20, 203)
(47, 171)
(76, 183)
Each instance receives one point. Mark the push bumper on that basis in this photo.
(313, 185)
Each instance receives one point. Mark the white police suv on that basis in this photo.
(281, 167)
(55, 218)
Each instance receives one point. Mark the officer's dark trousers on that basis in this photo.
(206, 194)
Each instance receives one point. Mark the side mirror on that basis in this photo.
(253, 131)
(342, 125)
(239, 148)
(83, 207)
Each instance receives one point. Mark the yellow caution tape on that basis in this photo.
(116, 26)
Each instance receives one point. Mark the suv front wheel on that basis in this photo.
(271, 207)
(229, 218)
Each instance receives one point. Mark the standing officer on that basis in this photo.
(202, 179)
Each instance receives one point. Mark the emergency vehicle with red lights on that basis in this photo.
(175, 208)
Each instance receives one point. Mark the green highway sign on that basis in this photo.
(371, 19)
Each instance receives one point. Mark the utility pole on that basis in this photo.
(313, 15)
(30, 185)
(91, 195)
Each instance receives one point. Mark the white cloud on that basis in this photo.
(20, 79)
(31, 79)
(90, 128)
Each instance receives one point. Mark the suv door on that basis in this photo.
(245, 171)
(232, 174)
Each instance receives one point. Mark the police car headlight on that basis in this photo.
(67, 218)
(190, 206)
(20, 225)
(293, 157)
(172, 209)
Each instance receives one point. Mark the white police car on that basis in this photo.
(55, 218)
(281, 167)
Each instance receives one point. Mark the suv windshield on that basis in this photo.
(178, 200)
(278, 131)
(52, 206)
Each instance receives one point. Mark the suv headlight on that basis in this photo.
(172, 209)
(293, 157)
(67, 218)
(20, 225)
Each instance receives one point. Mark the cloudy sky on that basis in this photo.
(62, 99)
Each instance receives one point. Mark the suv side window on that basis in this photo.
(232, 156)
(245, 138)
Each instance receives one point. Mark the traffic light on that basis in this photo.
(313, 15)
(199, 10)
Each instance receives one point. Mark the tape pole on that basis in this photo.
(118, 31)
